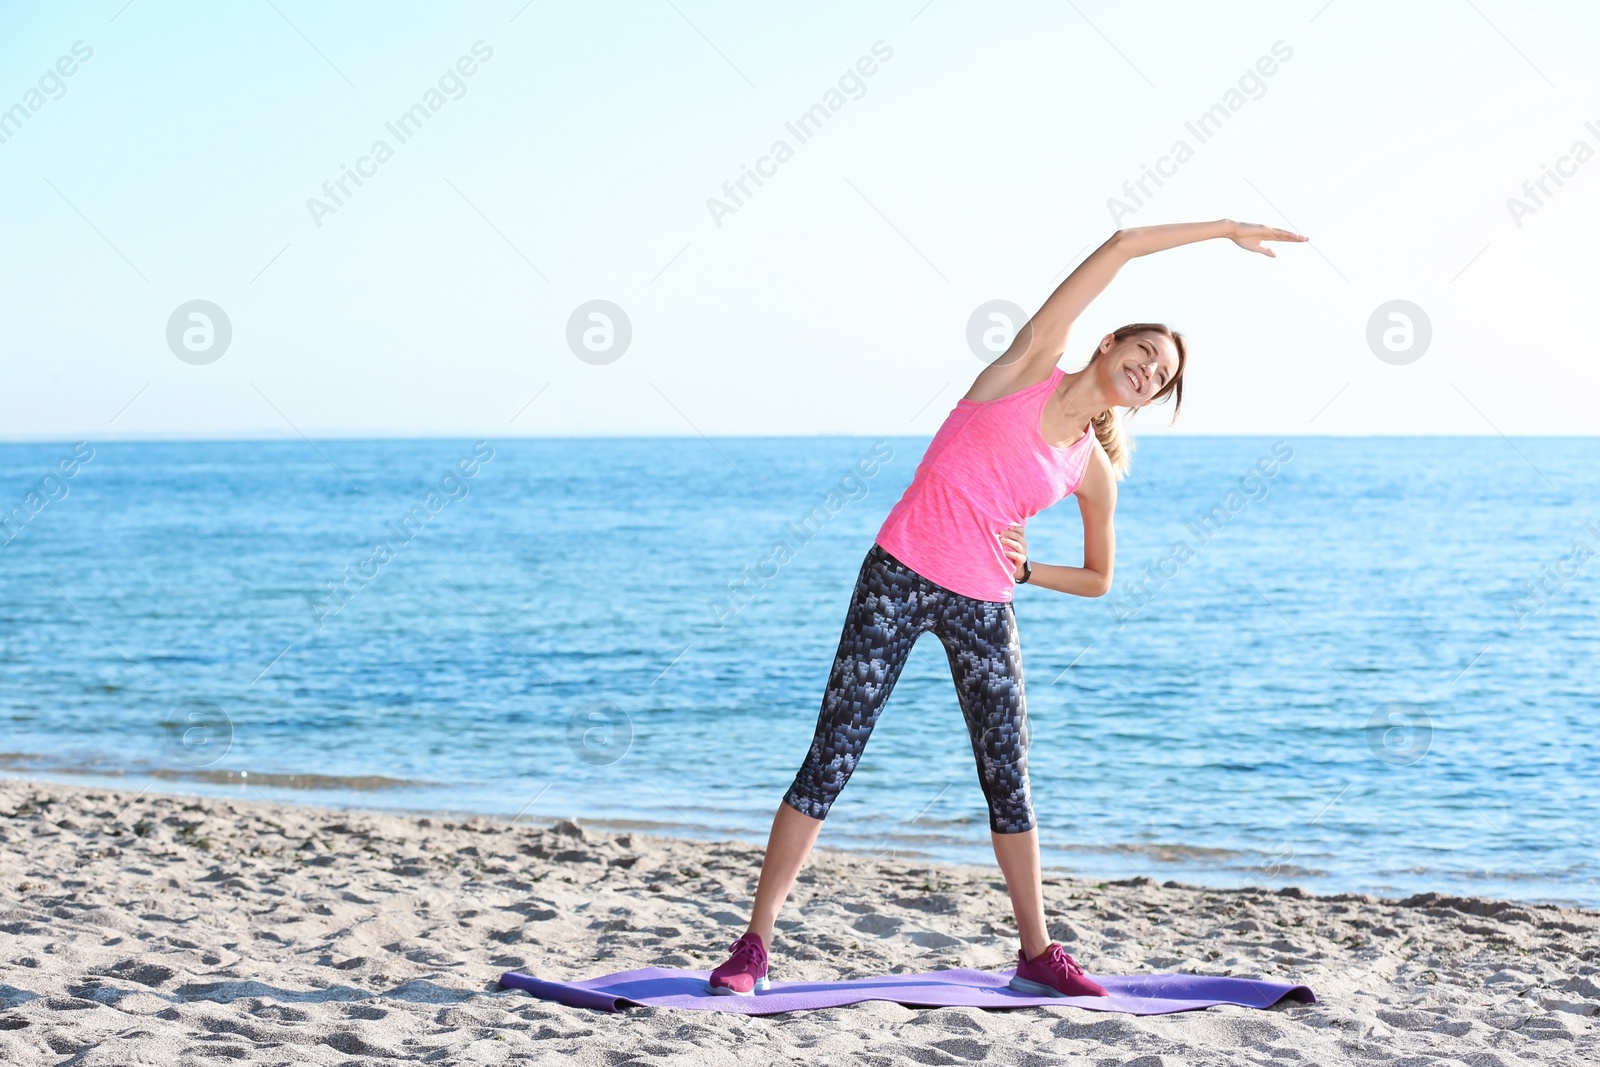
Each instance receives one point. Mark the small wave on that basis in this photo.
(1165, 853)
(287, 781)
(27, 761)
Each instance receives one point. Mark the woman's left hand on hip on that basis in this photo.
(1015, 542)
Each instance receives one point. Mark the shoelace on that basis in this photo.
(746, 949)
(1061, 960)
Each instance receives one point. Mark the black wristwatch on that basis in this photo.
(1027, 572)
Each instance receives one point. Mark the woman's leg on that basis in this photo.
(1019, 862)
(980, 640)
(790, 842)
(890, 606)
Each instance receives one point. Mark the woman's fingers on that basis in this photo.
(1256, 231)
(1014, 543)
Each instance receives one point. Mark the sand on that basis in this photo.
(157, 929)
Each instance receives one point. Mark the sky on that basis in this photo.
(563, 154)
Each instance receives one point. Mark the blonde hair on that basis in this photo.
(1108, 425)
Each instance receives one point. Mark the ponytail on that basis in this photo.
(1115, 440)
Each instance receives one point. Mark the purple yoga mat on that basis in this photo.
(1143, 994)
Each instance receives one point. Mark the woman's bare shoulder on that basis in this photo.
(997, 382)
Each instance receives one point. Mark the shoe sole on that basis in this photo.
(725, 991)
(1024, 985)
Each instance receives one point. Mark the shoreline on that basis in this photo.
(150, 928)
(1164, 862)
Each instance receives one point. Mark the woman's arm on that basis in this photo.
(1039, 344)
(1097, 501)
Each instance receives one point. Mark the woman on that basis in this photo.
(947, 559)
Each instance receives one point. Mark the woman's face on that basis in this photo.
(1136, 369)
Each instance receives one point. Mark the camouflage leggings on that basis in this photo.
(891, 607)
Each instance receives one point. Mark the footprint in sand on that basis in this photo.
(877, 925)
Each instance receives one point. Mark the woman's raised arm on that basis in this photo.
(1037, 347)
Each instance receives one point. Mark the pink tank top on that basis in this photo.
(987, 468)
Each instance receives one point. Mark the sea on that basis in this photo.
(1361, 665)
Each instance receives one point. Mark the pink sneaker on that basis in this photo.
(1053, 973)
(745, 972)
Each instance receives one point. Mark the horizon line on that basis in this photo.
(355, 438)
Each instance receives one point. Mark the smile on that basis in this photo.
(1133, 380)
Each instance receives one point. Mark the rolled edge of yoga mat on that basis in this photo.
(564, 994)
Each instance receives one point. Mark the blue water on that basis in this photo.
(1332, 685)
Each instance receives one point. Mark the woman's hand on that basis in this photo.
(1015, 542)
(1249, 235)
